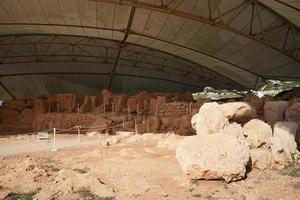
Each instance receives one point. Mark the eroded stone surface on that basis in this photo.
(213, 156)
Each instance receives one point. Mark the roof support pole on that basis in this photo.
(121, 45)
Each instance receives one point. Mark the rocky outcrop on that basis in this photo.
(220, 157)
(257, 132)
(210, 119)
(238, 111)
(274, 111)
(286, 132)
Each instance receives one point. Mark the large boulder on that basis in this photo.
(280, 157)
(235, 130)
(274, 111)
(213, 156)
(257, 132)
(286, 132)
(256, 103)
(293, 114)
(238, 111)
(210, 119)
(261, 158)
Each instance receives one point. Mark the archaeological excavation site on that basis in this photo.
(149, 99)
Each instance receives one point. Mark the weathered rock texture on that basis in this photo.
(280, 157)
(293, 114)
(238, 111)
(286, 132)
(210, 119)
(261, 158)
(213, 156)
(274, 111)
(257, 132)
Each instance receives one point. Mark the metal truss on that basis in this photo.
(18, 49)
(223, 19)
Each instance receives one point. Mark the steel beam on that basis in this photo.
(96, 73)
(44, 55)
(179, 13)
(7, 90)
(121, 45)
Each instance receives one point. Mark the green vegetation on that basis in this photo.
(49, 168)
(197, 195)
(81, 171)
(292, 170)
(88, 195)
(211, 93)
(279, 85)
(20, 196)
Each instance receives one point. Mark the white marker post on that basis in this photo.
(135, 127)
(78, 136)
(54, 140)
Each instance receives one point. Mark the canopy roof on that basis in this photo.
(49, 46)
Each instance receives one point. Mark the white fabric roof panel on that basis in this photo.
(245, 41)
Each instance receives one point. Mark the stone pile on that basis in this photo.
(223, 150)
(213, 154)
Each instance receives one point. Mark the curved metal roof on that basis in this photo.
(228, 43)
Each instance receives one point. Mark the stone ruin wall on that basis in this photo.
(152, 112)
(157, 112)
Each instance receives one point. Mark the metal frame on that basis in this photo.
(133, 56)
(218, 21)
(170, 8)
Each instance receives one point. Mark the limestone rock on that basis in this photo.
(153, 124)
(293, 114)
(213, 156)
(286, 132)
(279, 155)
(256, 103)
(235, 130)
(194, 121)
(26, 116)
(238, 111)
(9, 117)
(261, 158)
(257, 132)
(210, 119)
(274, 111)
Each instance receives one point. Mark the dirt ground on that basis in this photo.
(128, 168)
